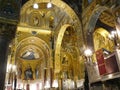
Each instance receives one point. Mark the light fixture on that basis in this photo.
(114, 36)
(118, 31)
(12, 71)
(35, 6)
(9, 67)
(33, 86)
(49, 5)
(80, 83)
(110, 76)
(69, 84)
(20, 85)
(88, 52)
(14, 68)
(47, 84)
(40, 85)
(118, 26)
(55, 84)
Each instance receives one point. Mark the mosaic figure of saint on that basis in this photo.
(28, 73)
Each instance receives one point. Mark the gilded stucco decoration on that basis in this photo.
(93, 19)
(67, 51)
(98, 10)
(32, 52)
(102, 40)
(107, 19)
(59, 24)
(87, 13)
(61, 9)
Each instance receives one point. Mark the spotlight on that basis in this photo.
(88, 52)
(49, 5)
(35, 6)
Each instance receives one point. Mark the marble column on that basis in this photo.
(4, 43)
